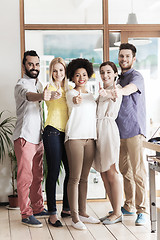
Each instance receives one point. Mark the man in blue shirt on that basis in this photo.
(131, 122)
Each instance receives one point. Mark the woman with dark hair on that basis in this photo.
(80, 135)
(108, 141)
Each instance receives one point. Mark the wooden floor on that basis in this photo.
(12, 229)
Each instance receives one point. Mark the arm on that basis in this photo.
(33, 97)
(129, 89)
(125, 91)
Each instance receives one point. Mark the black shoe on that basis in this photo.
(63, 215)
(56, 224)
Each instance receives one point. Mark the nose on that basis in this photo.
(34, 66)
(124, 58)
(81, 77)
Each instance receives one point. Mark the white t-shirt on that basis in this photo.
(82, 117)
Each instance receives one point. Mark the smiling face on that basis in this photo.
(107, 75)
(58, 73)
(32, 66)
(126, 59)
(80, 78)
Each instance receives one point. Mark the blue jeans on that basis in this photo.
(53, 141)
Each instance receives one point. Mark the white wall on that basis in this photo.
(10, 71)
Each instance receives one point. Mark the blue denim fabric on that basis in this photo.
(53, 141)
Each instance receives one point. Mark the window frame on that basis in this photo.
(124, 29)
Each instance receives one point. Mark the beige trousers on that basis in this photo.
(80, 155)
(133, 169)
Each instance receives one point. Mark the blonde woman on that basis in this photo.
(53, 138)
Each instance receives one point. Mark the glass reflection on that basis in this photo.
(63, 12)
(132, 12)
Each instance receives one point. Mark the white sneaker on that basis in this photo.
(79, 225)
(89, 219)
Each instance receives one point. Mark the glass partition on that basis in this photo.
(63, 12)
(134, 12)
(69, 45)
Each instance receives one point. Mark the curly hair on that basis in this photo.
(79, 63)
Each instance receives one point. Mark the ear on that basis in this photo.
(134, 59)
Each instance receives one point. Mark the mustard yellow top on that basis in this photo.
(57, 111)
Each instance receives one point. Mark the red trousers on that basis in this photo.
(29, 176)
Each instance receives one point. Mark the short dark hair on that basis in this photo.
(112, 64)
(128, 46)
(79, 63)
(29, 53)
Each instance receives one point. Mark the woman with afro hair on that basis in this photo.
(80, 135)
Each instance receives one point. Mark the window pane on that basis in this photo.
(68, 45)
(124, 11)
(63, 11)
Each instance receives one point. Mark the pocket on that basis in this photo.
(23, 142)
(51, 131)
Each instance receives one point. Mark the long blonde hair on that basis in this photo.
(52, 63)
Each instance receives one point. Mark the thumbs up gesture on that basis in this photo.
(116, 92)
(102, 91)
(77, 99)
(57, 94)
(47, 93)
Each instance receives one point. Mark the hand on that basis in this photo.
(47, 93)
(116, 92)
(77, 99)
(57, 94)
(102, 91)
